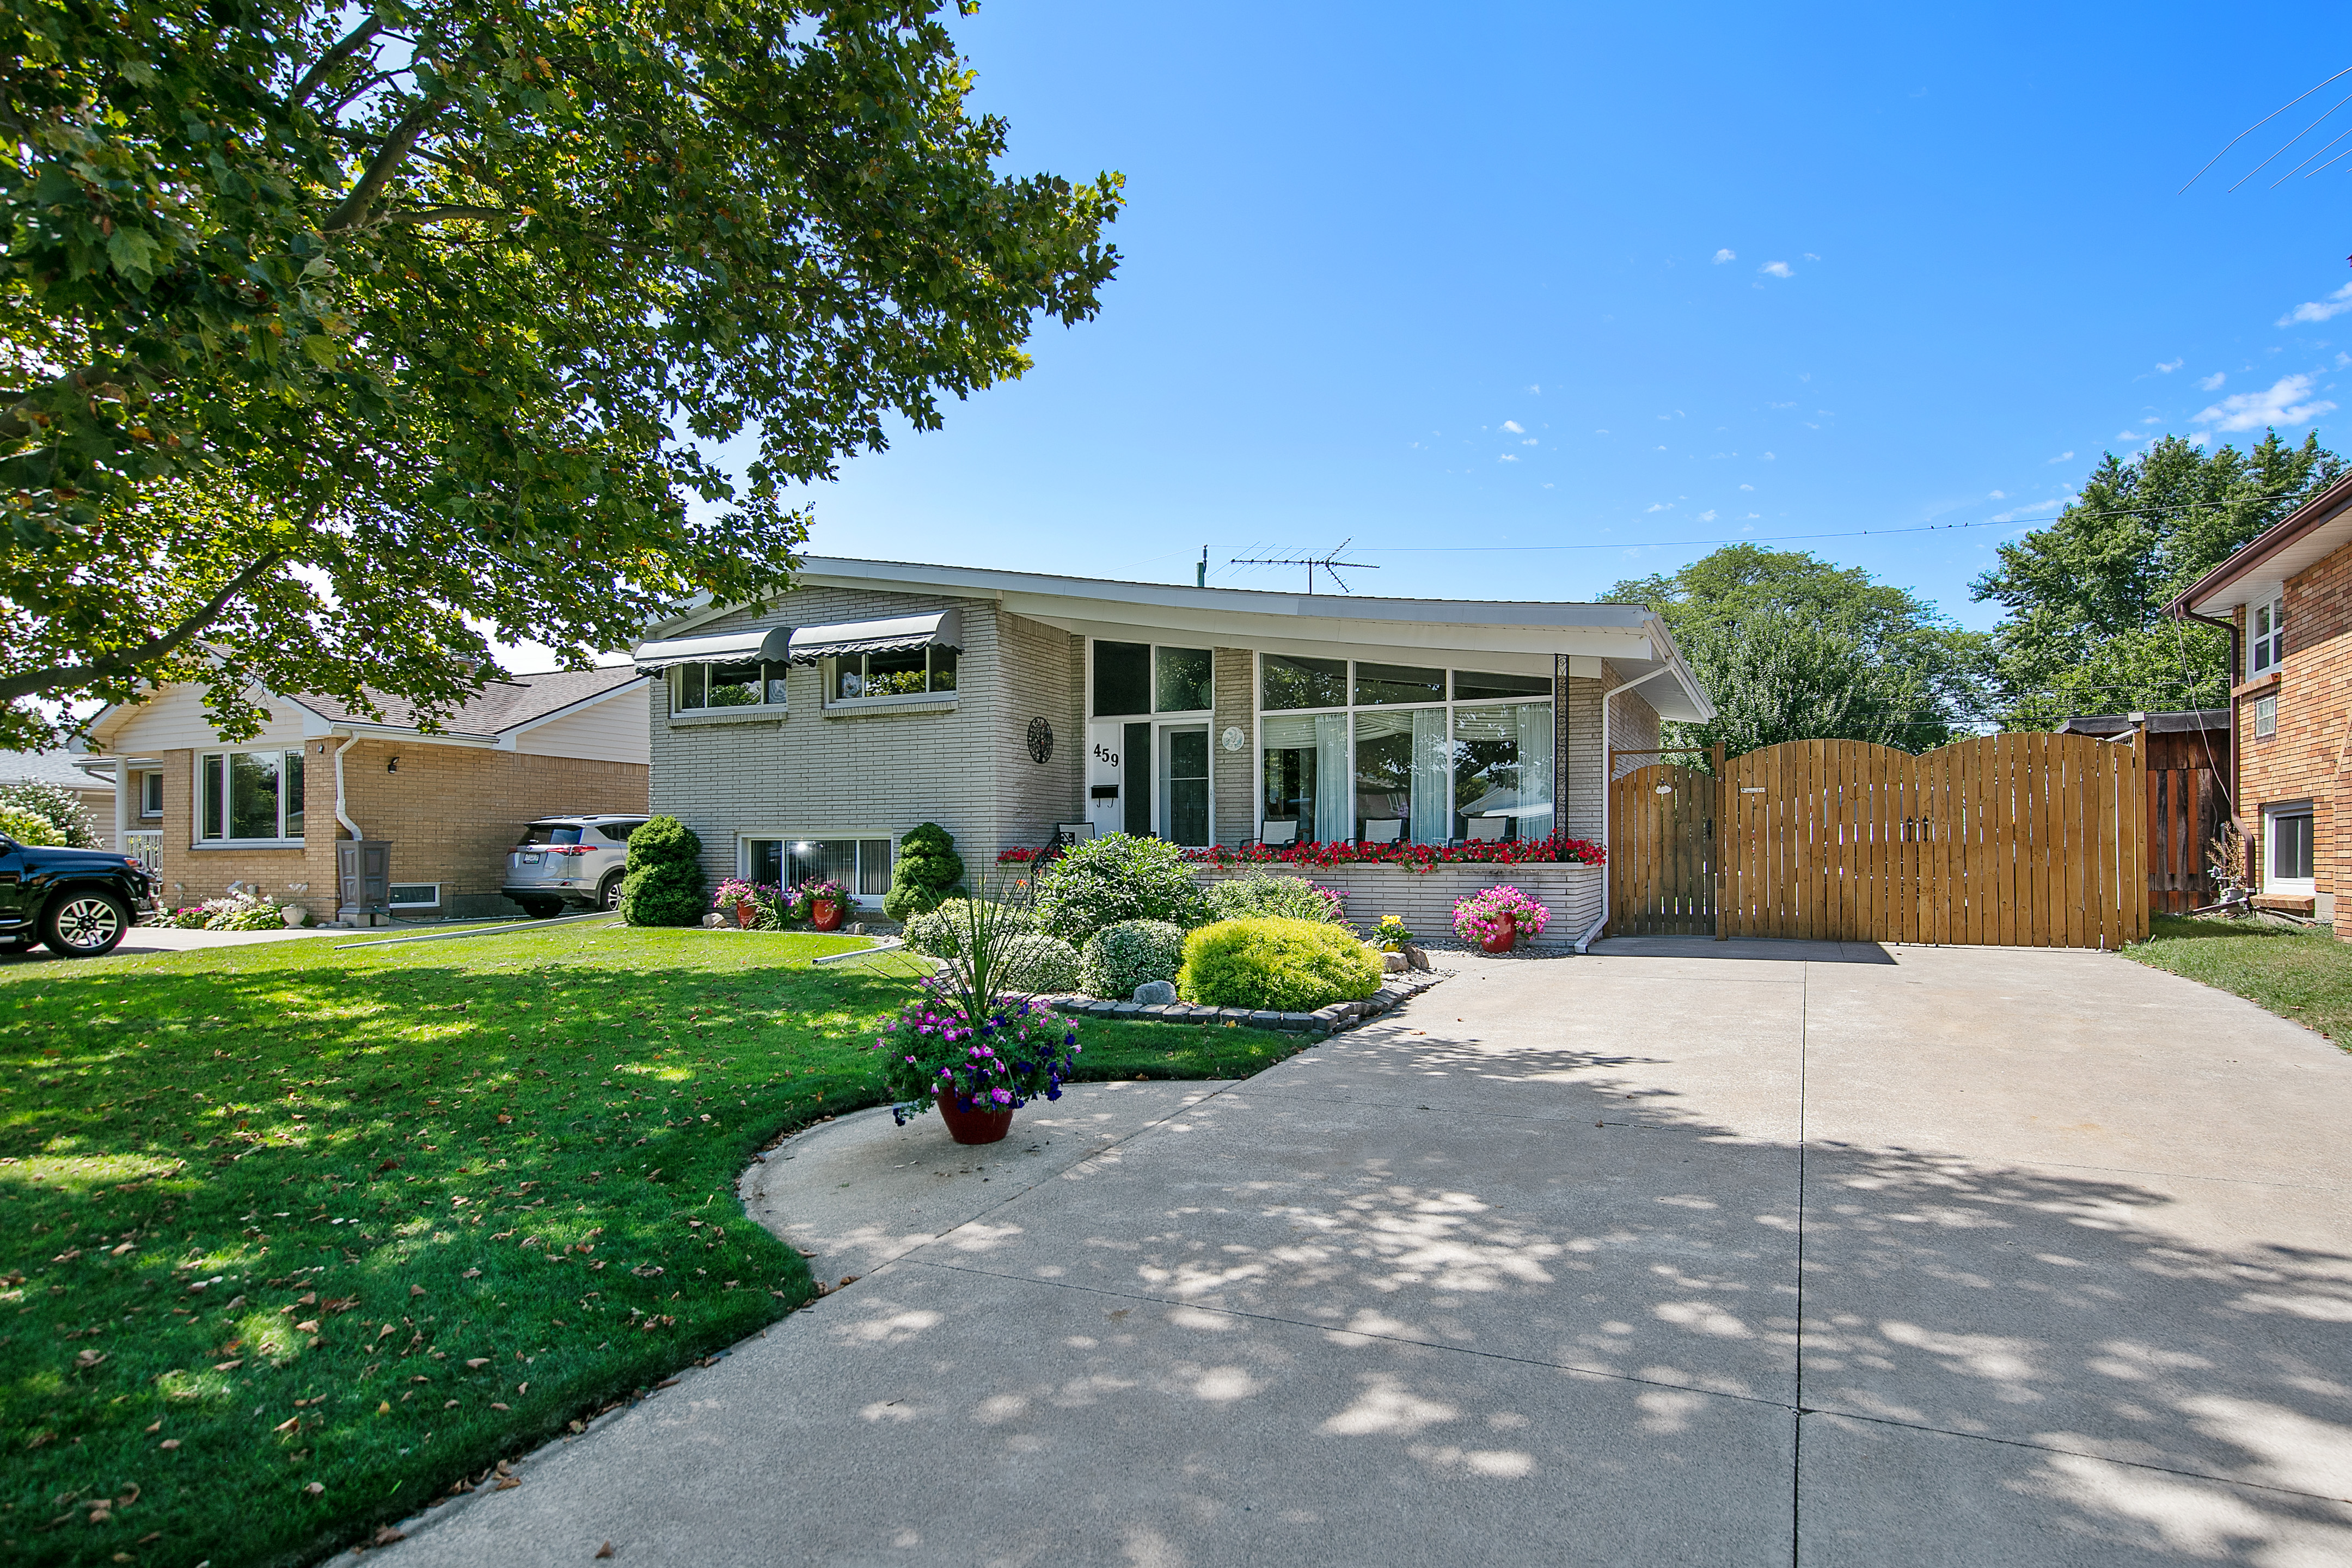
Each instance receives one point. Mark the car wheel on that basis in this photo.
(84, 923)
(608, 893)
(541, 909)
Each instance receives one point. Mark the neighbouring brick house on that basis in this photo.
(2286, 600)
(267, 811)
(803, 737)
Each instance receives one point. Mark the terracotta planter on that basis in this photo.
(1504, 939)
(973, 1126)
(826, 915)
(745, 915)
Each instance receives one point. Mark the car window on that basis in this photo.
(545, 833)
(618, 832)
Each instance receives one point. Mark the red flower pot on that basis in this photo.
(745, 915)
(1504, 939)
(826, 915)
(973, 1126)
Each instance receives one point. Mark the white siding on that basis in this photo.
(176, 719)
(612, 731)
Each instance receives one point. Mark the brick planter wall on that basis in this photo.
(1425, 900)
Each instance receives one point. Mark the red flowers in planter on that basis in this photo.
(1413, 856)
(1018, 855)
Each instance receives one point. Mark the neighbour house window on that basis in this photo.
(2289, 849)
(747, 683)
(860, 865)
(249, 795)
(2268, 646)
(151, 794)
(1405, 764)
(908, 672)
(2265, 717)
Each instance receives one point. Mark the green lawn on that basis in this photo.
(296, 1240)
(2300, 974)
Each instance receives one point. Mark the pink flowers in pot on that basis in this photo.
(1488, 914)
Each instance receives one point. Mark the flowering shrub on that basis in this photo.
(192, 918)
(1413, 856)
(1490, 912)
(242, 910)
(1391, 933)
(1285, 897)
(1009, 1055)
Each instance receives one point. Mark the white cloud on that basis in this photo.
(1529, 442)
(2169, 369)
(2027, 509)
(1660, 506)
(2061, 458)
(1810, 257)
(1515, 427)
(2287, 402)
(1754, 515)
(1747, 487)
(2153, 419)
(1776, 269)
(1769, 458)
(2198, 439)
(1707, 516)
(1998, 495)
(1723, 255)
(1600, 432)
(2127, 436)
(1538, 391)
(1508, 457)
(2213, 381)
(2314, 310)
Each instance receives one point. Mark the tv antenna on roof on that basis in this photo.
(1330, 563)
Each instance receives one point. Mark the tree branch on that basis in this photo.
(122, 661)
(16, 419)
(452, 213)
(353, 209)
(350, 44)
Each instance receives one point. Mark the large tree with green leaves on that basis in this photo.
(1794, 648)
(337, 340)
(2086, 631)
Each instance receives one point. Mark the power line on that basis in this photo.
(2258, 124)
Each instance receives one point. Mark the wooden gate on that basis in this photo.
(2031, 840)
(2184, 815)
(1662, 863)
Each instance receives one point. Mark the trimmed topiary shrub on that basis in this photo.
(1102, 881)
(1263, 893)
(1042, 962)
(1121, 957)
(26, 828)
(661, 884)
(928, 871)
(936, 932)
(1281, 965)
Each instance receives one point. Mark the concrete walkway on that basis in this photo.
(1683, 1252)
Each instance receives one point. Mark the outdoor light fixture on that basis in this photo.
(392, 766)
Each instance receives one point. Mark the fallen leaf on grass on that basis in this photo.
(169, 1444)
(387, 1534)
(387, 1328)
(121, 1250)
(476, 1363)
(316, 1489)
(229, 1365)
(288, 1425)
(383, 1407)
(88, 1359)
(158, 1427)
(496, 1406)
(508, 1483)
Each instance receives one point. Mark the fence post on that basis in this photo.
(1719, 845)
(2135, 857)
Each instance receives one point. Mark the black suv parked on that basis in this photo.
(79, 902)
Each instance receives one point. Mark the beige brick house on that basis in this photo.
(803, 737)
(2286, 600)
(267, 811)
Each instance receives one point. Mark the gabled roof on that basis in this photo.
(501, 705)
(2294, 543)
(48, 768)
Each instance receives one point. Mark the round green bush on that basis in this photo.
(1263, 893)
(928, 870)
(661, 882)
(1121, 957)
(1102, 881)
(935, 930)
(1042, 962)
(33, 832)
(1280, 965)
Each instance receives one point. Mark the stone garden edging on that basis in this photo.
(1394, 991)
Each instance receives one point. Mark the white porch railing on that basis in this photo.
(146, 846)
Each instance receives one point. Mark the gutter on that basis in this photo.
(1608, 788)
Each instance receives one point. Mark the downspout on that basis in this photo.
(1608, 788)
(342, 816)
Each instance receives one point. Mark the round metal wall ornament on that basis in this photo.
(1041, 742)
(1234, 737)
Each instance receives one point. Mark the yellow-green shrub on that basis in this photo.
(1277, 964)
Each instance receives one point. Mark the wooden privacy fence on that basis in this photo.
(2032, 840)
(2185, 814)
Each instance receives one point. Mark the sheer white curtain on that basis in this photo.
(1334, 780)
(1538, 811)
(1432, 766)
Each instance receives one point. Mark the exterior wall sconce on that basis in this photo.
(391, 766)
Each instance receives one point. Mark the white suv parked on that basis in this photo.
(570, 862)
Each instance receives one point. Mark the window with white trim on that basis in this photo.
(249, 796)
(2287, 850)
(416, 895)
(744, 683)
(151, 794)
(2265, 717)
(2267, 648)
(907, 672)
(862, 866)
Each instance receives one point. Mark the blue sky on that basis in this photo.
(1440, 281)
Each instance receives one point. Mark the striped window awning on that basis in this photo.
(769, 642)
(943, 628)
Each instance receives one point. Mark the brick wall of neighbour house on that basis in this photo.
(2310, 755)
(450, 813)
(1425, 900)
(845, 773)
(1233, 775)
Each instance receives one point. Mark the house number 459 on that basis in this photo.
(1104, 754)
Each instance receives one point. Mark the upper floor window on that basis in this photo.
(2268, 650)
(906, 672)
(249, 795)
(745, 684)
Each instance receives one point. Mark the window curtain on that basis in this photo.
(1335, 815)
(1432, 761)
(1534, 725)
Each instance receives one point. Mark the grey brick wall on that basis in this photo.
(1233, 775)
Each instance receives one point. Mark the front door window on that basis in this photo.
(1184, 784)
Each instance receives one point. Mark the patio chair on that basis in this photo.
(1277, 834)
(1073, 832)
(1487, 830)
(1383, 830)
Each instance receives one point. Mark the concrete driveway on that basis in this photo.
(1683, 1252)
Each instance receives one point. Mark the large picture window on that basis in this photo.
(908, 672)
(696, 687)
(249, 795)
(1136, 678)
(1403, 753)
